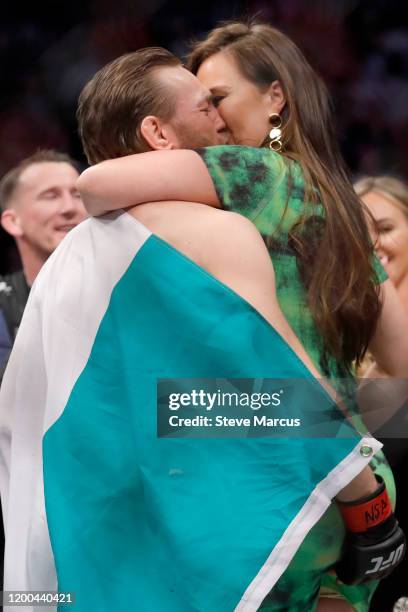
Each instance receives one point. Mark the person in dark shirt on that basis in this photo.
(14, 292)
(40, 204)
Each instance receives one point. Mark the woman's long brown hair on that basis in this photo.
(337, 267)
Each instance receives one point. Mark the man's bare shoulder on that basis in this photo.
(174, 213)
(197, 230)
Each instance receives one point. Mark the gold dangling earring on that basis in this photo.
(275, 134)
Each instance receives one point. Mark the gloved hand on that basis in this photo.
(374, 543)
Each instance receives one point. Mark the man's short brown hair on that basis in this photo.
(9, 182)
(114, 102)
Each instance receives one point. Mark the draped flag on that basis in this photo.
(94, 502)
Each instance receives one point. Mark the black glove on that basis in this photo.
(374, 543)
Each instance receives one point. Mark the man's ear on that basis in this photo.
(10, 222)
(276, 97)
(156, 133)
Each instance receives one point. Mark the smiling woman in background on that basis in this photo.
(387, 199)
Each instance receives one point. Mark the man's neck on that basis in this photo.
(32, 262)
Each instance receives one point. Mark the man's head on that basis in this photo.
(142, 101)
(40, 203)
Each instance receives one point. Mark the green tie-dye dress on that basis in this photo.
(269, 190)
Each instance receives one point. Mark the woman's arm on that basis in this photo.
(389, 345)
(237, 256)
(384, 389)
(146, 177)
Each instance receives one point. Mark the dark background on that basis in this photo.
(49, 49)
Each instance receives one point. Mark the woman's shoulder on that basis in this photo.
(230, 157)
(259, 167)
(264, 185)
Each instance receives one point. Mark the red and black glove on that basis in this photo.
(374, 543)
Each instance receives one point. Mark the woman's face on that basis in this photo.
(242, 105)
(392, 234)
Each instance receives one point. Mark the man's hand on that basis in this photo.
(374, 544)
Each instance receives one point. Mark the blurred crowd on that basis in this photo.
(50, 50)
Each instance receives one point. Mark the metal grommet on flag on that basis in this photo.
(366, 451)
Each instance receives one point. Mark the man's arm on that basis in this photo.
(230, 247)
(237, 255)
(384, 389)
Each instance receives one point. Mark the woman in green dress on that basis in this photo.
(286, 175)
